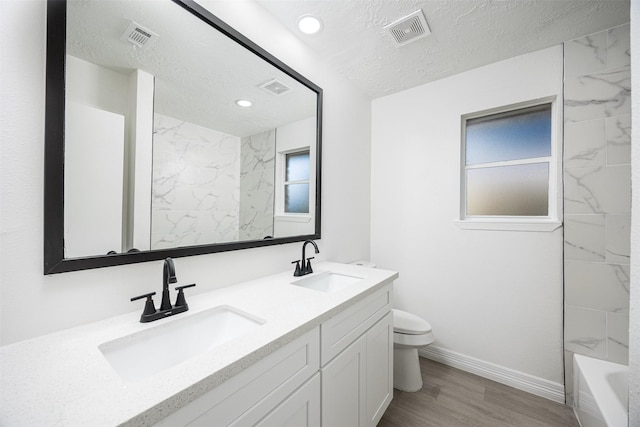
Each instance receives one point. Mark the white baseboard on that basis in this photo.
(525, 382)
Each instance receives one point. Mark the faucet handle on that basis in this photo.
(149, 307)
(308, 269)
(298, 271)
(180, 300)
(149, 295)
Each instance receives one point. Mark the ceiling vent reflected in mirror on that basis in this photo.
(275, 87)
(409, 28)
(137, 35)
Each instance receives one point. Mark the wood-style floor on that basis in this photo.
(451, 398)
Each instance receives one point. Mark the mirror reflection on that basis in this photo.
(177, 136)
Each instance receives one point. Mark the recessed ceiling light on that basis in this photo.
(243, 103)
(309, 24)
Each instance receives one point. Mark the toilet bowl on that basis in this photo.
(410, 332)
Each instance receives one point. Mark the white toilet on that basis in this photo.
(410, 332)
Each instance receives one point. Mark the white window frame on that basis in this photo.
(282, 183)
(549, 222)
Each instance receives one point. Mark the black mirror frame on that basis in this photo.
(54, 261)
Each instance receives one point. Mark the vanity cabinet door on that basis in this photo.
(379, 369)
(343, 387)
(301, 409)
(357, 385)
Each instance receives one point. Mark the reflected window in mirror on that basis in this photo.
(296, 182)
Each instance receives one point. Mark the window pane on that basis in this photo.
(296, 198)
(521, 190)
(297, 167)
(519, 134)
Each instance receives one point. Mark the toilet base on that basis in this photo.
(406, 369)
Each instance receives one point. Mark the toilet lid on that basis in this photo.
(410, 324)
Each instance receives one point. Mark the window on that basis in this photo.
(296, 182)
(509, 166)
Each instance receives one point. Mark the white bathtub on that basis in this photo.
(600, 392)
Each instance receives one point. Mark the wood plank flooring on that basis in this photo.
(454, 398)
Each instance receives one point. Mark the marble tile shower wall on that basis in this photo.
(196, 184)
(597, 197)
(257, 185)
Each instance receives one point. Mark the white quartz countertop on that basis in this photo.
(62, 379)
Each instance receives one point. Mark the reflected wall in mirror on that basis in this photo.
(155, 154)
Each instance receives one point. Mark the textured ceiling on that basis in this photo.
(199, 73)
(466, 34)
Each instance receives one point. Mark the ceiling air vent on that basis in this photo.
(137, 35)
(275, 87)
(408, 29)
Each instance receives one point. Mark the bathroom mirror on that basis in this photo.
(168, 133)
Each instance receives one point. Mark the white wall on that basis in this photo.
(291, 137)
(495, 296)
(138, 162)
(131, 95)
(32, 304)
(96, 86)
(634, 320)
(93, 171)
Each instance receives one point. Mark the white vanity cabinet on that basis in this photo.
(338, 374)
(357, 359)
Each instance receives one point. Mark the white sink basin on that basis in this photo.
(148, 352)
(327, 281)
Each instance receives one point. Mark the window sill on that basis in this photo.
(508, 224)
(293, 217)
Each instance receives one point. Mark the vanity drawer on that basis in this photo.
(341, 330)
(253, 393)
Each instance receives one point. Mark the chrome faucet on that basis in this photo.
(166, 309)
(306, 262)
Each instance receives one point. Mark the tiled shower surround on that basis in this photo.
(210, 187)
(257, 185)
(597, 197)
(196, 185)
